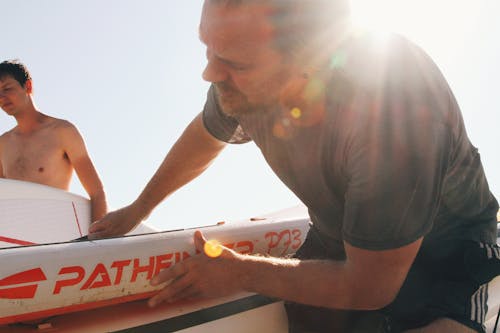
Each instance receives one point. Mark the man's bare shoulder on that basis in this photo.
(62, 126)
(68, 134)
(57, 123)
(6, 135)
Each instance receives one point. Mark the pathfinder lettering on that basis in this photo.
(100, 276)
(124, 271)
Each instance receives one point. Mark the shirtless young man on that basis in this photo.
(42, 149)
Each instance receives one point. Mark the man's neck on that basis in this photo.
(29, 119)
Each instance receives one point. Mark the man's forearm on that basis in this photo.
(366, 280)
(189, 157)
(322, 283)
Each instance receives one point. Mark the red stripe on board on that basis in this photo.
(15, 241)
(76, 217)
(18, 292)
(31, 275)
(73, 308)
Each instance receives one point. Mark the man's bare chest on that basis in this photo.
(32, 154)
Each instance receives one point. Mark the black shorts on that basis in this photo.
(454, 286)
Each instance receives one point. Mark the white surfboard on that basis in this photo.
(36, 214)
(78, 285)
(102, 286)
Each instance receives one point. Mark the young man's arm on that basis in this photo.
(366, 280)
(85, 170)
(189, 157)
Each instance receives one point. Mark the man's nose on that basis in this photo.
(214, 72)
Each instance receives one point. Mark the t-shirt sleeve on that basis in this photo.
(397, 155)
(220, 125)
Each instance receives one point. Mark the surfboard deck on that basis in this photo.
(101, 286)
(36, 214)
(98, 286)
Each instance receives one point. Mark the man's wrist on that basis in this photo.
(139, 211)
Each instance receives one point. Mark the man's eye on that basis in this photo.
(240, 68)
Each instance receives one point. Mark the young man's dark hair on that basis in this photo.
(16, 69)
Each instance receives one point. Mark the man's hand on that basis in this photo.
(206, 275)
(116, 223)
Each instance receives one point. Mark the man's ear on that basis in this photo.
(28, 85)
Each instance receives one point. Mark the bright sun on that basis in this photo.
(425, 21)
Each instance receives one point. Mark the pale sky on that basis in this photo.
(127, 73)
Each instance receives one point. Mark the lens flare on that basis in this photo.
(212, 248)
(338, 60)
(295, 113)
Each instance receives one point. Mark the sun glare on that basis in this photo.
(427, 21)
(371, 14)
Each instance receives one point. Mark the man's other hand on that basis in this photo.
(116, 223)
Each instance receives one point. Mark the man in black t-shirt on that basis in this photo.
(369, 136)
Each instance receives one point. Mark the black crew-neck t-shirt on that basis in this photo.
(388, 162)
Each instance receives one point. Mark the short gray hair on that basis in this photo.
(299, 24)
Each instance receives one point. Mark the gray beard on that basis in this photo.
(244, 108)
